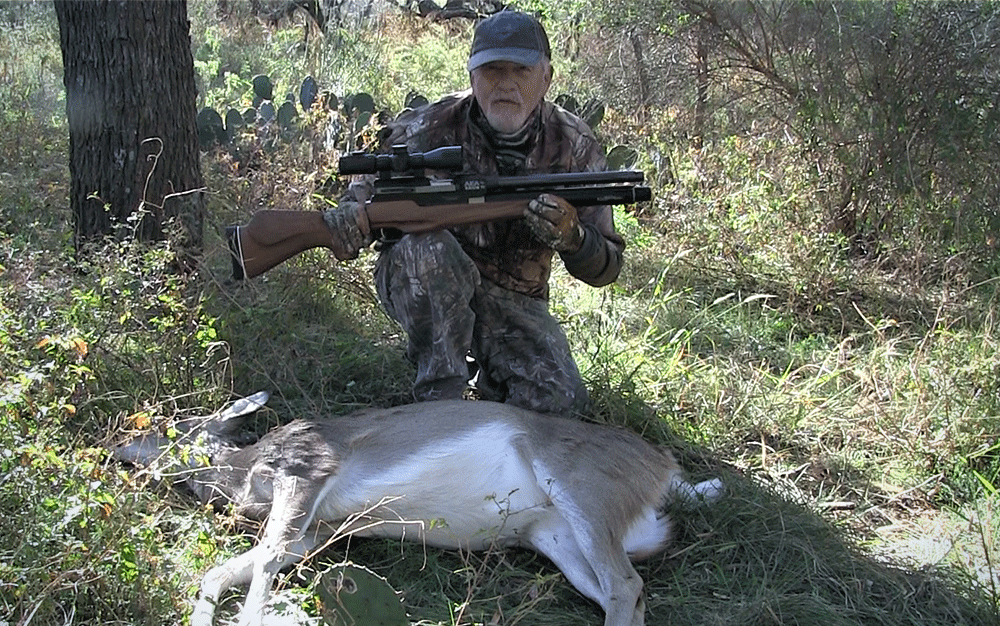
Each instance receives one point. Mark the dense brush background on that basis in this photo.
(808, 310)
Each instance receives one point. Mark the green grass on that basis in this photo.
(850, 406)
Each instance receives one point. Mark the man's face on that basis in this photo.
(508, 92)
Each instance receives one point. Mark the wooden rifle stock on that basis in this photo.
(273, 236)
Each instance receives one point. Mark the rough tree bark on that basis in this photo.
(642, 73)
(130, 104)
(701, 87)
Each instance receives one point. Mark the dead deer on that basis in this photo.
(452, 474)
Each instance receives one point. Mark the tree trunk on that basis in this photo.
(701, 86)
(643, 76)
(130, 104)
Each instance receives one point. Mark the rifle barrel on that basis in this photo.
(568, 179)
(604, 194)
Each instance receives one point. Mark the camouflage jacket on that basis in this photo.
(505, 251)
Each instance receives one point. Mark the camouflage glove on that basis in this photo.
(349, 229)
(554, 222)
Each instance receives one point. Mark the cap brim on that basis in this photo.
(521, 56)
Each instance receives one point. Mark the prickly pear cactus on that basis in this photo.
(414, 100)
(324, 119)
(287, 114)
(210, 128)
(351, 595)
(360, 103)
(266, 112)
(364, 119)
(567, 102)
(622, 158)
(330, 100)
(308, 93)
(592, 112)
(263, 88)
(234, 121)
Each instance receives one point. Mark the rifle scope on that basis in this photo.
(402, 161)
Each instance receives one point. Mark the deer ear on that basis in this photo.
(229, 419)
(245, 406)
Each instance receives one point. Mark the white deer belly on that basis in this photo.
(467, 492)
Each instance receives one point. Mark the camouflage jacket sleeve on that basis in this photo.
(599, 260)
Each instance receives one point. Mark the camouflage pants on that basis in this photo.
(433, 289)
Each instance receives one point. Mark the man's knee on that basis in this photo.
(562, 395)
(428, 255)
(423, 273)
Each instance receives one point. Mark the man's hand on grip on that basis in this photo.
(348, 223)
(553, 221)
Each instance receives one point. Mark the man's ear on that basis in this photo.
(549, 74)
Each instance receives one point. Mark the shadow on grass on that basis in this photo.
(312, 334)
(755, 558)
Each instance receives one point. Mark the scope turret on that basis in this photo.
(401, 161)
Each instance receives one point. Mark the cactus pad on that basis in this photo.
(351, 595)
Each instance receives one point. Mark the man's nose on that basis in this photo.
(507, 82)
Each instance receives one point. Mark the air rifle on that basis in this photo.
(407, 200)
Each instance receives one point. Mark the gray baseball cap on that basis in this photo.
(509, 36)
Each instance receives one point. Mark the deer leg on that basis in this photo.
(286, 540)
(239, 570)
(235, 571)
(554, 538)
(598, 569)
(582, 539)
(601, 564)
(618, 580)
